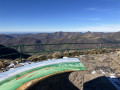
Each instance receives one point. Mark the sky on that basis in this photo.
(59, 15)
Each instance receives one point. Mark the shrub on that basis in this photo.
(57, 55)
(65, 53)
(14, 62)
(18, 60)
(6, 62)
(93, 51)
(37, 58)
(24, 60)
(32, 58)
(2, 65)
(73, 53)
(49, 57)
(81, 53)
(41, 57)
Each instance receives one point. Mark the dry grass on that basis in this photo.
(2, 65)
(6, 62)
(37, 58)
(41, 57)
(73, 53)
(18, 60)
(14, 62)
(57, 55)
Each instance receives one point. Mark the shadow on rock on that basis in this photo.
(10, 53)
(100, 83)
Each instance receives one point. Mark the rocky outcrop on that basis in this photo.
(108, 63)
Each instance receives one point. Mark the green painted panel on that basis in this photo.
(16, 81)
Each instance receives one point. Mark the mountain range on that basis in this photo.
(57, 37)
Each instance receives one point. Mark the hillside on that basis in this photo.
(21, 41)
(59, 37)
(5, 38)
(8, 50)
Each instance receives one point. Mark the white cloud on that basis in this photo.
(91, 9)
(108, 10)
(92, 19)
(102, 28)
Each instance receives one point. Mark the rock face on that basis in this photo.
(77, 78)
(109, 63)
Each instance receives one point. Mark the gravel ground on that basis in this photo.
(106, 64)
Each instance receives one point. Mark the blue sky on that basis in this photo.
(59, 15)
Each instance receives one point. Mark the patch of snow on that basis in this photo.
(93, 72)
(65, 57)
(11, 65)
(17, 62)
(26, 63)
(102, 71)
(11, 68)
(112, 75)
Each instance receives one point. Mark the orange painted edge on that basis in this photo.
(29, 84)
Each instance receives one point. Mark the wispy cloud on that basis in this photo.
(92, 19)
(91, 9)
(99, 10)
(102, 28)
